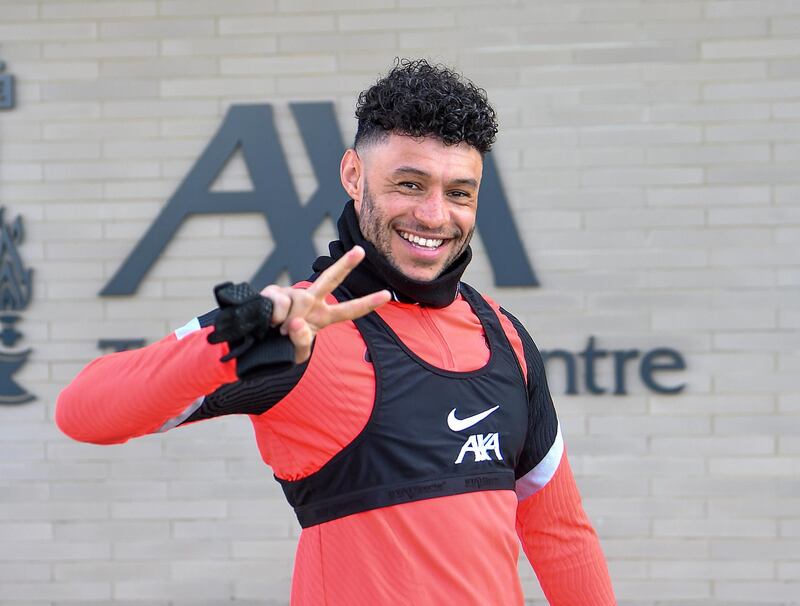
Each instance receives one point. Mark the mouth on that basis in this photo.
(420, 242)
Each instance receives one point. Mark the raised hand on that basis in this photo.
(302, 312)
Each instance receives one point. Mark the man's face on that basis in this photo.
(418, 202)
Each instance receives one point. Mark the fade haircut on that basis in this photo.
(423, 100)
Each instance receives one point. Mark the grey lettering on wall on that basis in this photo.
(655, 360)
(499, 232)
(661, 359)
(117, 345)
(7, 99)
(251, 129)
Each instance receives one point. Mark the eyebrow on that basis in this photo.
(411, 170)
(470, 182)
(405, 170)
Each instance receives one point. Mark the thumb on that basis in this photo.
(300, 333)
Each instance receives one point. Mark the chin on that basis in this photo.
(422, 276)
(415, 273)
(425, 278)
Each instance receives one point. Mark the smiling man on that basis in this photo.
(411, 427)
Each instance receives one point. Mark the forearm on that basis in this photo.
(132, 393)
(561, 544)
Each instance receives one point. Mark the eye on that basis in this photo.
(460, 197)
(409, 185)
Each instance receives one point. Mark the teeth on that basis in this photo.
(426, 242)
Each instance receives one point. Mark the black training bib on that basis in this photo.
(432, 432)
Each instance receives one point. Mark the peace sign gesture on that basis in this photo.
(302, 312)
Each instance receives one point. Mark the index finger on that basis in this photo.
(329, 279)
(355, 308)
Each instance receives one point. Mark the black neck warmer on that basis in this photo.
(376, 273)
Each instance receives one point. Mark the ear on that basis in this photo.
(351, 172)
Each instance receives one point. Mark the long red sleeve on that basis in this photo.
(561, 544)
(132, 393)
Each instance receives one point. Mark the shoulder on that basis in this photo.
(512, 326)
(520, 338)
(517, 335)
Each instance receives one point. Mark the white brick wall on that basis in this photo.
(650, 152)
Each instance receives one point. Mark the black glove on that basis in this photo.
(243, 321)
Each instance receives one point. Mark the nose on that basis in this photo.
(432, 211)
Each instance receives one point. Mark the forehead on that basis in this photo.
(428, 154)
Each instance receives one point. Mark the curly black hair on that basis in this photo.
(419, 99)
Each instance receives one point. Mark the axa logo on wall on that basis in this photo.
(251, 130)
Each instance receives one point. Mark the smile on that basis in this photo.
(428, 243)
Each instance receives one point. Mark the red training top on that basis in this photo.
(459, 549)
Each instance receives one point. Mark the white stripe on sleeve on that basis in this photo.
(533, 481)
(175, 421)
(191, 326)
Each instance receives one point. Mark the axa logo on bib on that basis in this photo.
(251, 130)
(478, 444)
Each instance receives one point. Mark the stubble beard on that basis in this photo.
(375, 229)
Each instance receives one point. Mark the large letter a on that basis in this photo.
(251, 128)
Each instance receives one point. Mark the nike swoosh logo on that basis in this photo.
(462, 424)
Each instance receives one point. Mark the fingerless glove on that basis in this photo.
(243, 321)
